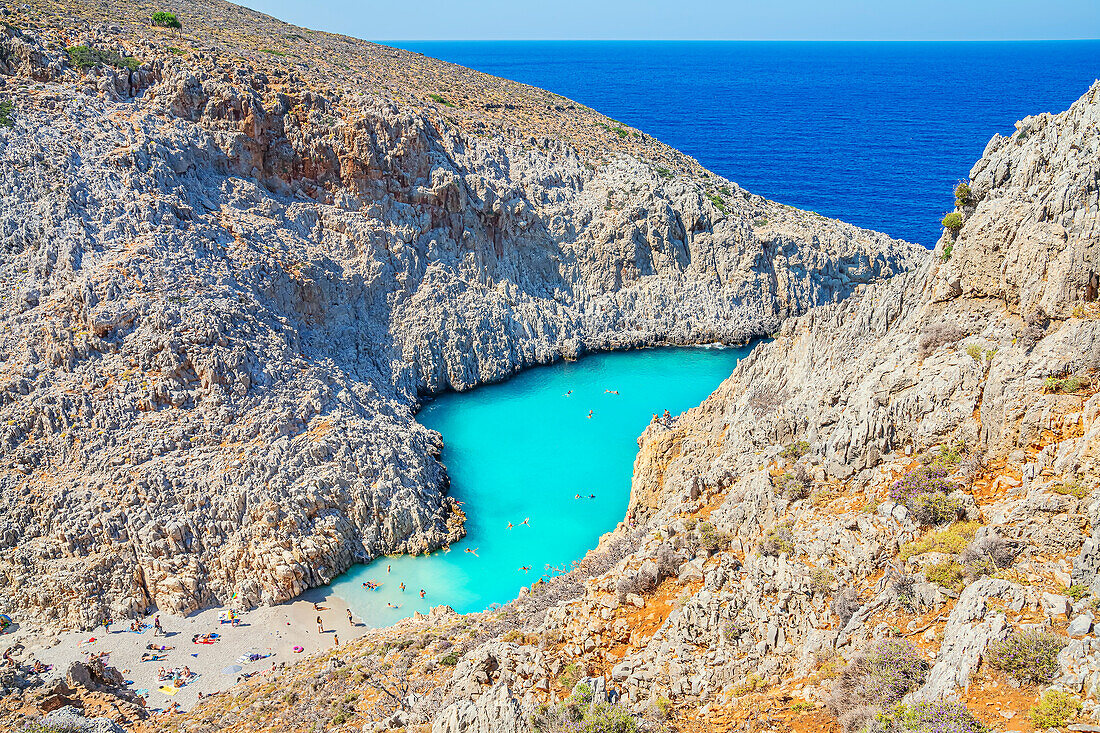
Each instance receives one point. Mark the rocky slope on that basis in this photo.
(236, 256)
(892, 502)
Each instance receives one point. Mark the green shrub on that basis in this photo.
(794, 451)
(949, 454)
(963, 194)
(1077, 591)
(953, 222)
(162, 19)
(924, 492)
(1030, 657)
(974, 351)
(1054, 709)
(569, 676)
(717, 201)
(928, 717)
(821, 580)
(85, 57)
(1069, 385)
(947, 249)
(951, 540)
(577, 716)
(273, 52)
(779, 541)
(440, 99)
(1071, 488)
(6, 108)
(876, 678)
(947, 574)
(450, 660)
(176, 51)
(710, 538)
(663, 172)
(341, 717)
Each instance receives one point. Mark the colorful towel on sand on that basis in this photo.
(169, 690)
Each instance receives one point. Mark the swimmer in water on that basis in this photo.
(567, 393)
(525, 568)
(402, 587)
(526, 521)
(393, 606)
(472, 551)
(509, 525)
(590, 414)
(421, 592)
(577, 496)
(591, 496)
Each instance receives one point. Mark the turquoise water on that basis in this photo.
(523, 450)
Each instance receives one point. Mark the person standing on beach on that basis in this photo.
(157, 628)
(107, 625)
(320, 626)
(335, 640)
(350, 622)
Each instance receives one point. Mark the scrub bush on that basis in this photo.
(951, 540)
(711, 538)
(578, 713)
(927, 717)
(1030, 657)
(845, 605)
(953, 222)
(793, 485)
(779, 541)
(876, 678)
(794, 451)
(936, 335)
(963, 195)
(85, 57)
(1054, 709)
(6, 108)
(948, 574)
(989, 553)
(923, 491)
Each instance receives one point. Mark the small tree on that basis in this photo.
(953, 222)
(162, 19)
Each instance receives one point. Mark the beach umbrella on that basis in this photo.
(232, 669)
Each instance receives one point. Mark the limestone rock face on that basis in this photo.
(773, 502)
(227, 284)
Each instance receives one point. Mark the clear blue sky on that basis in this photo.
(694, 19)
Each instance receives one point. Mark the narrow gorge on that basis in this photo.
(237, 257)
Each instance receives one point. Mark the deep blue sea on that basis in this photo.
(875, 134)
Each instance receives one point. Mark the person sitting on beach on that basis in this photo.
(40, 668)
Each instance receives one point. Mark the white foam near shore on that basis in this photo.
(272, 630)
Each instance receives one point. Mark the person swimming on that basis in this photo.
(391, 605)
(567, 393)
(472, 551)
(402, 586)
(527, 521)
(510, 525)
(590, 414)
(525, 568)
(421, 592)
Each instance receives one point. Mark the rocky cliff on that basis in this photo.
(236, 255)
(884, 520)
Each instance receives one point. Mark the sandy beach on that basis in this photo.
(271, 632)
